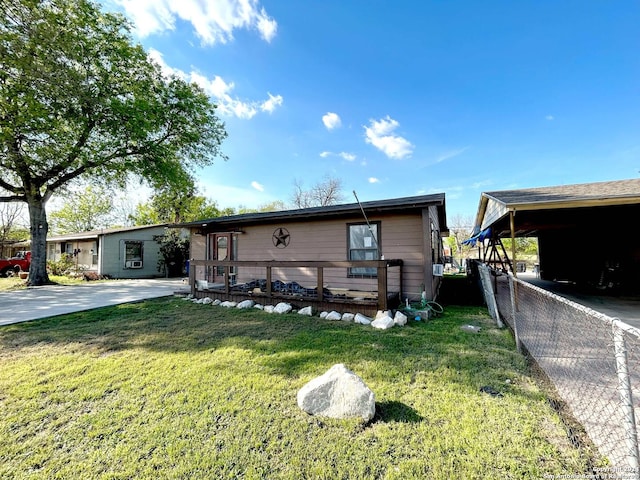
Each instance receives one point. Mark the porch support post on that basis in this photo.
(382, 287)
(227, 269)
(192, 277)
(269, 283)
(320, 283)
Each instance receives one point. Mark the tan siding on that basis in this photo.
(401, 236)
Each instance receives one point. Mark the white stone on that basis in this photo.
(324, 314)
(259, 306)
(383, 313)
(269, 308)
(207, 301)
(306, 311)
(339, 393)
(229, 304)
(245, 304)
(362, 319)
(383, 323)
(470, 328)
(333, 316)
(282, 307)
(216, 302)
(348, 317)
(400, 318)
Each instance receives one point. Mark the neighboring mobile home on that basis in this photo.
(374, 255)
(130, 252)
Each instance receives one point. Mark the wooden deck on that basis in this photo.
(268, 290)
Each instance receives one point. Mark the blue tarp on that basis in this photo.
(478, 237)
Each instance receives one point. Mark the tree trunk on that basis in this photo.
(39, 228)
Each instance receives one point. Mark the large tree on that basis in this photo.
(79, 100)
(325, 192)
(175, 204)
(83, 210)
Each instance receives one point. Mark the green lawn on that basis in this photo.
(171, 389)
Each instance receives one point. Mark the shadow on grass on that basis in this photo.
(392, 411)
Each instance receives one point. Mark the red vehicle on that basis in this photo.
(11, 266)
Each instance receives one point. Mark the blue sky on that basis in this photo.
(402, 98)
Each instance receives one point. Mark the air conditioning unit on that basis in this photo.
(133, 264)
(438, 270)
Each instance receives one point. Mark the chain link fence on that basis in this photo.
(591, 359)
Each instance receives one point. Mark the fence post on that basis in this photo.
(626, 397)
(512, 294)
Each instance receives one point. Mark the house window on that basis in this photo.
(362, 242)
(133, 254)
(94, 253)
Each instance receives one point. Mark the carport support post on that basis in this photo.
(626, 397)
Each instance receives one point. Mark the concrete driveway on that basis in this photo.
(50, 300)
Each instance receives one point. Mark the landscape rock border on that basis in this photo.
(383, 320)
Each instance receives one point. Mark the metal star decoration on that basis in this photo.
(281, 237)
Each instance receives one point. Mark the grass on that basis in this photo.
(171, 389)
(9, 284)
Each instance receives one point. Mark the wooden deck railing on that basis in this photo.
(381, 266)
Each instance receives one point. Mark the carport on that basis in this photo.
(585, 231)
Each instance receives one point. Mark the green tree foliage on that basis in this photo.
(175, 205)
(83, 210)
(174, 252)
(79, 100)
(524, 245)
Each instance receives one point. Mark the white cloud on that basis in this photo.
(549, 117)
(331, 120)
(213, 21)
(373, 180)
(257, 186)
(451, 154)
(220, 91)
(380, 134)
(271, 104)
(349, 157)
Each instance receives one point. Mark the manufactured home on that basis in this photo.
(129, 252)
(360, 256)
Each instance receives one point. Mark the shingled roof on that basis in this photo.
(542, 201)
(620, 192)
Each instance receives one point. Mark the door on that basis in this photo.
(220, 249)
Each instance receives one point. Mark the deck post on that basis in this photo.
(320, 284)
(382, 288)
(227, 269)
(192, 277)
(269, 283)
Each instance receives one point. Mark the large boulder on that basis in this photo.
(339, 393)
